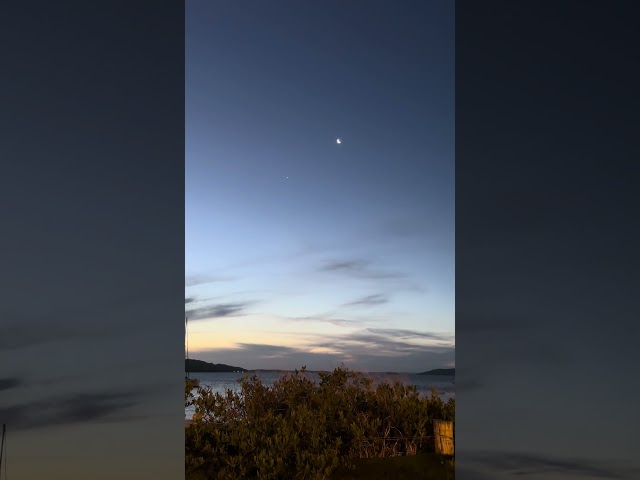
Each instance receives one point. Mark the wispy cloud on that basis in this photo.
(268, 351)
(218, 310)
(364, 343)
(369, 353)
(341, 322)
(16, 336)
(369, 300)
(360, 269)
(408, 334)
(345, 266)
(77, 408)
(370, 350)
(9, 383)
(194, 280)
(79, 320)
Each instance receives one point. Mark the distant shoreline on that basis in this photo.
(200, 366)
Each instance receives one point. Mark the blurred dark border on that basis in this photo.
(92, 237)
(547, 239)
(92, 174)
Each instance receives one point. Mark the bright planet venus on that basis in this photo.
(338, 141)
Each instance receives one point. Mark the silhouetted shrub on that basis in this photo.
(299, 428)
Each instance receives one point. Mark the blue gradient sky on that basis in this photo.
(300, 251)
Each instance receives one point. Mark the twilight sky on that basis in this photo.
(299, 250)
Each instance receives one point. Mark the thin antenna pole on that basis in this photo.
(4, 431)
(186, 332)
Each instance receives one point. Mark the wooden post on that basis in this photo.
(443, 432)
(194, 419)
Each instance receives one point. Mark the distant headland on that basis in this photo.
(440, 371)
(199, 366)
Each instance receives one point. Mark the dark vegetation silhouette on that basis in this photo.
(299, 428)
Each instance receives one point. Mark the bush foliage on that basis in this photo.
(303, 429)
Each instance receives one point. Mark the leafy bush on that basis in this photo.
(303, 429)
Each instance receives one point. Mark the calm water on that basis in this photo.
(220, 382)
